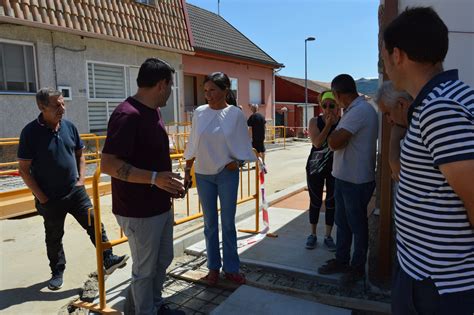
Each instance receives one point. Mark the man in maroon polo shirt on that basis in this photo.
(136, 156)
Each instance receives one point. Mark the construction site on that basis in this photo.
(277, 264)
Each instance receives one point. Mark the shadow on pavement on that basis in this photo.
(11, 297)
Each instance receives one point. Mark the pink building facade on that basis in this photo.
(219, 47)
(245, 79)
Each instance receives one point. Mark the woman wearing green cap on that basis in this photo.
(319, 168)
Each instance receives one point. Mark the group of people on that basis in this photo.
(136, 155)
(431, 113)
(431, 156)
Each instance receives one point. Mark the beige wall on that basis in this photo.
(457, 14)
(17, 110)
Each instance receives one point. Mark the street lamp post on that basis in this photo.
(309, 39)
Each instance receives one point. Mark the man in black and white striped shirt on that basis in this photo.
(434, 211)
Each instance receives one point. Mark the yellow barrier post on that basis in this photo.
(99, 250)
(97, 151)
(257, 202)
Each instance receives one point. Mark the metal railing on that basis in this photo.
(275, 135)
(92, 156)
(178, 127)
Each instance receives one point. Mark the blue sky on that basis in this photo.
(345, 30)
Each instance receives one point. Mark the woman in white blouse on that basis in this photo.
(218, 142)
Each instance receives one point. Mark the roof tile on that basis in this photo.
(163, 24)
(213, 33)
(313, 85)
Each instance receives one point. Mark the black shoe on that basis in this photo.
(311, 241)
(166, 310)
(56, 281)
(113, 262)
(333, 266)
(354, 275)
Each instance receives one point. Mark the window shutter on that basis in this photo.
(106, 81)
(97, 116)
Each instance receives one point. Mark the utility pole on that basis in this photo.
(305, 123)
(218, 7)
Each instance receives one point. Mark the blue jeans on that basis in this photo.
(351, 220)
(223, 185)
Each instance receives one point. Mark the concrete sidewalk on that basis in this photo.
(285, 253)
(252, 301)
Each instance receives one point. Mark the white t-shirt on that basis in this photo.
(212, 152)
(226, 136)
(355, 163)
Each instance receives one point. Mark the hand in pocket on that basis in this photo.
(232, 166)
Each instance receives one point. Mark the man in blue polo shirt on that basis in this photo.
(434, 213)
(52, 165)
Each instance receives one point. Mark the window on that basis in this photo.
(109, 85)
(234, 87)
(256, 92)
(106, 81)
(17, 68)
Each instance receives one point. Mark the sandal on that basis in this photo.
(237, 278)
(212, 277)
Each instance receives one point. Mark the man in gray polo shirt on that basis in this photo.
(354, 145)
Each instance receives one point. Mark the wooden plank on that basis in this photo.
(21, 201)
(95, 308)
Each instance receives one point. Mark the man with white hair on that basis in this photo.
(394, 106)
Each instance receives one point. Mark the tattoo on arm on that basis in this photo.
(124, 171)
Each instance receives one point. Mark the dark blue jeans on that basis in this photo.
(412, 297)
(54, 213)
(351, 221)
(224, 186)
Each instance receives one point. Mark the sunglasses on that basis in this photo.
(331, 106)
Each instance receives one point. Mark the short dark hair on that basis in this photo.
(43, 95)
(344, 84)
(420, 33)
(223, 82)
(152, 71)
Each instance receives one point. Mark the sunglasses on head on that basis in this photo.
(331, 106)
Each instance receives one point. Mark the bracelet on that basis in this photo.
(153, 178)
